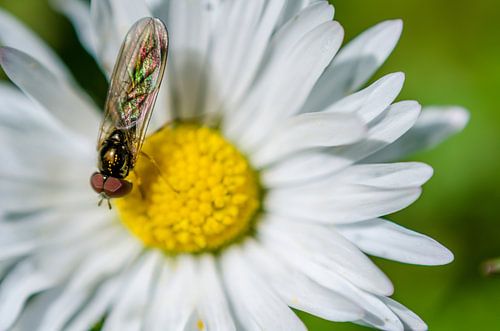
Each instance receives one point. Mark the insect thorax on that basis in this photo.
(114, 156)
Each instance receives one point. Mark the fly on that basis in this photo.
(134, 86)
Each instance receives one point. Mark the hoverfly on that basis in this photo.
(135, 83)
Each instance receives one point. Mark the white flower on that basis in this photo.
(270, 71)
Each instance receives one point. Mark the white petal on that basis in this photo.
(14, 34)
(163, 109)
(388, 240)
(253, 55)
(410, 320)
(212, 310)
(154, 315)
(329, 250)
(355, 64)
(373, 100)
(314, 169)
(107, 42)
(327, 277)
(190, 28)
(300, 292)
(357, 179)
(396, 121)
(233, 31)
(113, 254)
(22, 235)
(126, 13)
(62, 100)
(308, 131)
(385, 175)
(302, 168)
(240, 41)
(26, 158)
(190, 25)
(339, 203)
(26, 228)
(111, 20)
(107, 260)
(174, 297)
(59, 312)
(434, 125)
(284, 87)
(13, 97)
(16, 288)
(366, 189)
(37, 273)
(285, 39)
(256, 305)
(97, 306)
(299, 168)
(128, 311)
(6, 266)
(34, 312)
(19, 195)
(79, 14)
(17, 110)
(293, 7)
(158, 8)
(16, 251)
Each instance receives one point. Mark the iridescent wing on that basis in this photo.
(135, 83)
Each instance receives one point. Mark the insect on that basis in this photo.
(135, 83)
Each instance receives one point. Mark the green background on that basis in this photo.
(450, 52)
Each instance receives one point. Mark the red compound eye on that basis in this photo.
(97, 182)
(116, 188)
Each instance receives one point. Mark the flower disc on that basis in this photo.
(195, 192)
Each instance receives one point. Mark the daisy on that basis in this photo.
(281, 160)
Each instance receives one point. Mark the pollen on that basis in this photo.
(193, 191)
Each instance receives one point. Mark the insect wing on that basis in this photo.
(135, 83)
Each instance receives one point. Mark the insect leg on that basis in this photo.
(139, 184)
(103, 197)
(157, 167)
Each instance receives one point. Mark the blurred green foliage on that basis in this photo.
(450, 52)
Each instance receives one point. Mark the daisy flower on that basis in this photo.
(281, 159)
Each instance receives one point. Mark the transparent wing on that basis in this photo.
(135, 83)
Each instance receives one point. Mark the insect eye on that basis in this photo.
(116, 188)
(97, 182)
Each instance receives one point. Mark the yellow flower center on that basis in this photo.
(194, 193)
